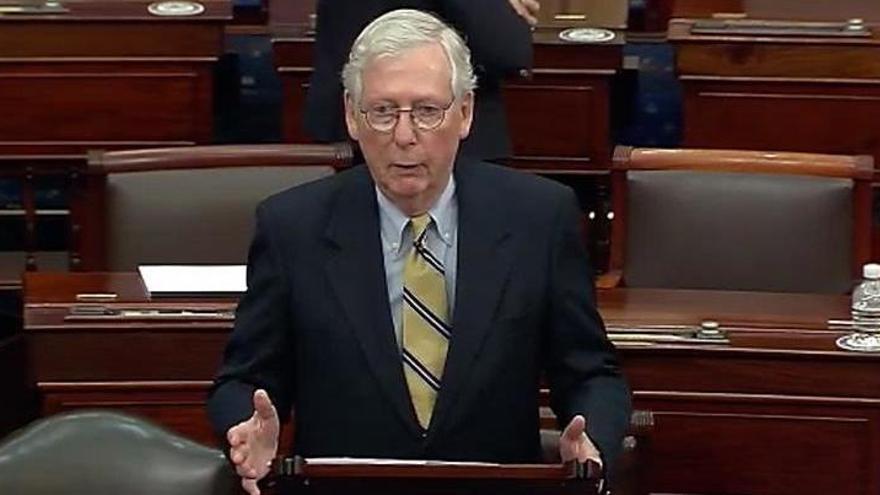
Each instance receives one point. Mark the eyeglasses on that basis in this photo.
(424, 117)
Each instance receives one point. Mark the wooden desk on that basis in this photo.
(780, 93)
(778, 411)
(106, 74)
(559, 115)
(158, 369)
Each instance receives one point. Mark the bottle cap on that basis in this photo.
(871, 270)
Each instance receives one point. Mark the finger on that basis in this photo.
(239, 455)
(239, 433)
(583, 451)
(234, 435)
(575, 428)
(518, 7)
(263, 408)
(587, 450)
(236, 456)
(250, 486)
(530, 9)
(246, 471)
(526, 9)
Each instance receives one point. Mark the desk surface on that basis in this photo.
(746, 313)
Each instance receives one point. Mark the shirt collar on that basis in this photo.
(393, 221)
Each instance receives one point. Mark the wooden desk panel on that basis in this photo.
(779, 411)
(742, 446)
(829, 117)
(176, 404)
(95, 105)
(782, 93)
(107, 74)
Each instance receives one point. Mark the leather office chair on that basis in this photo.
(184, 205)
(739, 220)
(96, 452)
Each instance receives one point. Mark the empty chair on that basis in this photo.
(184, 205)
(96, 452)
(739, 220)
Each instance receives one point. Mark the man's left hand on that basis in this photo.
(574, 444)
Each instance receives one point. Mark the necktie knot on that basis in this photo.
(420, 224)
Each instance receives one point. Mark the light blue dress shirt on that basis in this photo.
(397, 240)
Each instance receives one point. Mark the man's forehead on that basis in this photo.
(425, 56)
(421, 72)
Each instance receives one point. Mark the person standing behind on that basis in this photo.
(497, 32)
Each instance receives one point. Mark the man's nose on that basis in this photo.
(404, 131)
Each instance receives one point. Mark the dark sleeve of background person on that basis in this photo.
(499, 39)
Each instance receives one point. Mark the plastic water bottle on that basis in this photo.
(866, 301)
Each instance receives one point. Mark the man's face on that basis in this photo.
(411, 166)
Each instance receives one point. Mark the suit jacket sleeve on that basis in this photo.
(582, 368)
(259, 353)
(499, 39)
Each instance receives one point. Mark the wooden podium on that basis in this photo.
(394, 477)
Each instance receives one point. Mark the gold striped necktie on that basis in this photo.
(426, 329)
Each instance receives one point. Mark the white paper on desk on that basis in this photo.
(343, 461)
(194, 279)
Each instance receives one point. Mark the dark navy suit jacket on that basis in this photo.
(315, 328)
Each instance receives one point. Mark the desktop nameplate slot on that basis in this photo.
(748, 27)
(24, 9)
(707, 333)
(89, 312)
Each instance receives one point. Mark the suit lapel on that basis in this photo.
(359, 282)
(484, 262)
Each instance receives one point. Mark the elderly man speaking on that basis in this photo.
(409, 308)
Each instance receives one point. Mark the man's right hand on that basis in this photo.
(253, 443)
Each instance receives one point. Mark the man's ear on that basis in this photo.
(351, 118)
(467, 114)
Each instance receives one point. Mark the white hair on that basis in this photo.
(398, 31)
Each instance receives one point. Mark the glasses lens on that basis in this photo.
(382, 118)
(427, 116)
